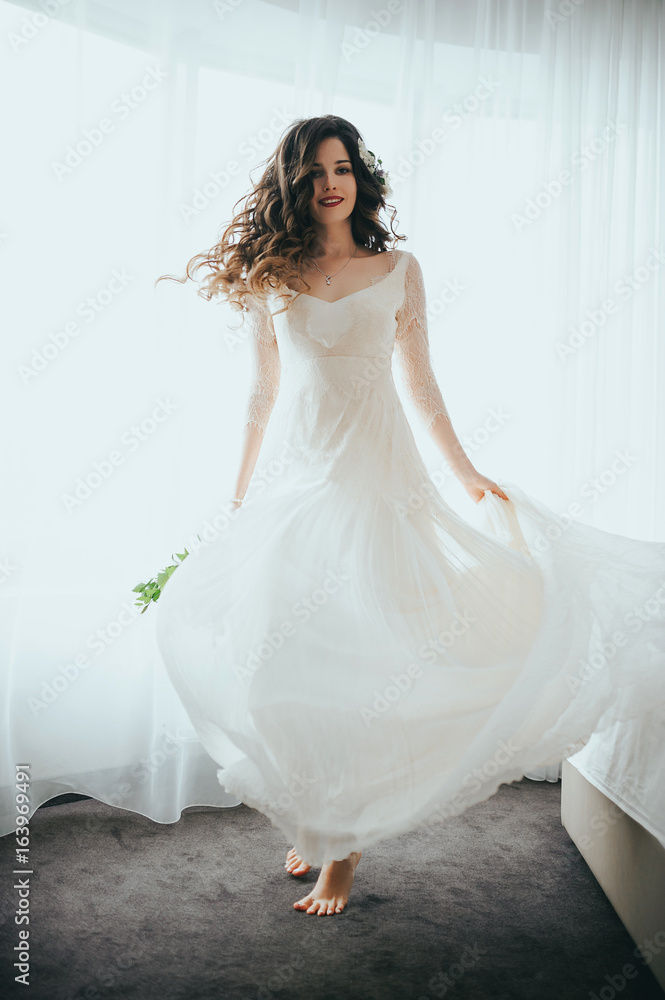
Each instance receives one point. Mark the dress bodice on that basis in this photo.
(361, 324)
(346, 344)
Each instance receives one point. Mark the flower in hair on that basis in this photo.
(374, 166)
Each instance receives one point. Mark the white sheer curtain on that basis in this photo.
(525, 143)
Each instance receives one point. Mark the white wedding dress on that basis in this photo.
(357, 658)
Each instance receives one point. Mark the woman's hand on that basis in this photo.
(475, 485)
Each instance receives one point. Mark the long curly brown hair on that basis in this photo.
(264, 246)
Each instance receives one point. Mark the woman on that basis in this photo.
(355, 656)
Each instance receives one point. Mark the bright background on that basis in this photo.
(475, 109)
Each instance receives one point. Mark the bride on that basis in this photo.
(357, 658)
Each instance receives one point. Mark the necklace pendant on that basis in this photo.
(328, 277)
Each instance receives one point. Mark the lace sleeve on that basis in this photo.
(412, 348)
(265, 383)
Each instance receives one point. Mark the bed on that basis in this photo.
(613, 807)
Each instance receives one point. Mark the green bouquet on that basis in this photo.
(150, 592)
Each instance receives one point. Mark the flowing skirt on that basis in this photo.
(360, 660)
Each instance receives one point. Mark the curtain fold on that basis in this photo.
(525, 145)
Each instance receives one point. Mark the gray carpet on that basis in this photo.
(496, 905)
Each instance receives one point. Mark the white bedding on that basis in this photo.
(627, 763)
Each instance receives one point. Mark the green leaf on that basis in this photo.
(150, 592)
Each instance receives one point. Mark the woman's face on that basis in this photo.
(334, 183)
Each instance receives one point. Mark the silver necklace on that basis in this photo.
(329, 277)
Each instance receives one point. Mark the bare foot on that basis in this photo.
(295, 864)
(331, 892)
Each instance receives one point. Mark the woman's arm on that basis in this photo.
(263, 393)
(412, 350)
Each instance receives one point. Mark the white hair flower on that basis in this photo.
(374, 166)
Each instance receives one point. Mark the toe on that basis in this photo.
(295, 864)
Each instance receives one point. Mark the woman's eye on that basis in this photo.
(344, 170)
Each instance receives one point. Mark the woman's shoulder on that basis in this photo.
(405, 259)
(411, 264)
